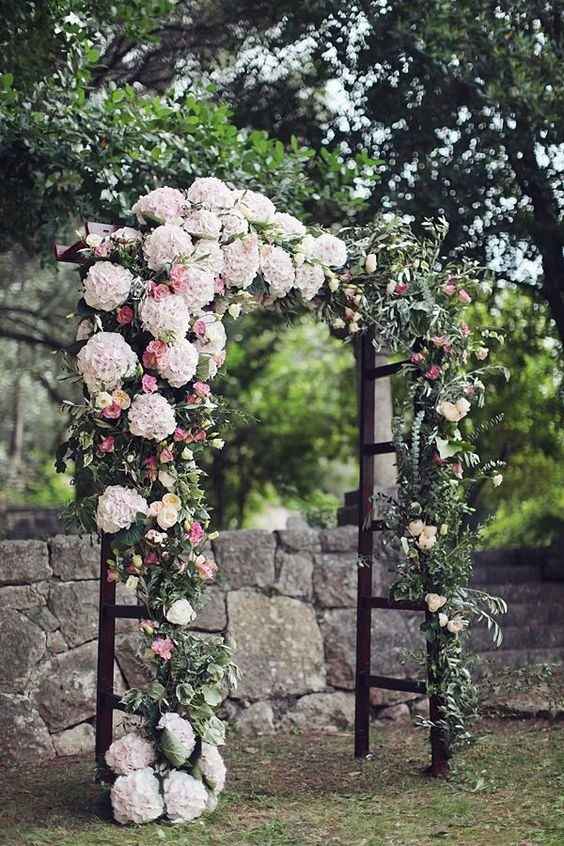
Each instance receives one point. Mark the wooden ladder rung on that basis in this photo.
(379, 449)
(396, 604)
(385, 370)
(128, 612)
(113, 701)
(387, 683)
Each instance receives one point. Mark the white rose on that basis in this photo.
(454, 411)
(481, 353)
(497, 480)
(167, 517)
(427, 538)
(370, 263)
(167, 480)
(180, 613)
(103, 399)
(435, 601)
(165, 244)
(456, 625)
(443, 620)
(415, 527)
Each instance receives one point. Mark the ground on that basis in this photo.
(307, 790)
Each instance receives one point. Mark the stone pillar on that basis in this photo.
(385, 473)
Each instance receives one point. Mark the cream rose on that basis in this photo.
(167, 517)
(180, 613)
(435, 601)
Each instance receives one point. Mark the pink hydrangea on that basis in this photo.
(118, 508)
(330, 250)
(211, 765)
(181, 729)
(165, 245)
(208, 256)
(167, 319)
(211, 193)
(278, 270)
(202, 223)
(195, 285)
(309, 279)
(255, 206)
(129, 753)
(233, 223)
(136, 798)
(185, 797)
(151, 416)
(105, 361)
(106, 285)
(288, 225)
(242, 261)
(160, 205)
(211, 334)
(178, 365)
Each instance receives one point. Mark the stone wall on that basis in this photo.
(287, 601)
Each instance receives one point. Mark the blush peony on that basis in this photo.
(105, 361)
(185, 797)
(118, 508)
(167, 319)
(178, 364)
(160, 205)
(151, 417)
(131, 752)
(106, 285)
(165, 245)
(136, 798)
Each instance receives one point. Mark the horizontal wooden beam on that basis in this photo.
(128, 612)
(386, 683)
(396, 604)
(385, 370)
(378, 449)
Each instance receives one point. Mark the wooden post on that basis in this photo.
(106, 648)
(439, 737)
(365, 550)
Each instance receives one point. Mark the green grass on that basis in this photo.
(507, 790)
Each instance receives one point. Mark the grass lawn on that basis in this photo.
(507, 790)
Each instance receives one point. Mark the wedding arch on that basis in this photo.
(151, 337)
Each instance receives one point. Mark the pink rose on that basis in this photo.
(200, 436)
(433, 372)
(150, 559)
(219, 285)
(112, 412)
(180, 434)
(149, 384)
(202, 389)
(166, 455)
(417, 358)
(199, 328)
(196, 533)
(178, 280)
(464, 296)
(152, 466)
(112, 576)
(401, 288)
(437, 459)
(153, 353)
(457, 469)
(163, 647)
(107, 444)
(464, 329)
(124, 315)
(159, 291)
(206, 568)
(449, 288)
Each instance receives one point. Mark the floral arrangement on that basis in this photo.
(150, 340)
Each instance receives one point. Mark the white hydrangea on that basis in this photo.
(117, 509)
(136, 798)
(288, 225)
(178, 365)
(106, 285)
(212, 767)
(215, 338)
(233, 223)
(309, 279)
(105, 361)
(211, 193)
(151, 417)
(278, 270)
(208, 256)
(131, 752)
(330, 250)
(181, 729)
(200, 288)
(167, 319)
(203, 224)
(126, 235)
(166, 244)
(242, 261)
(255, 206)
(160, 205)
(185, 797)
